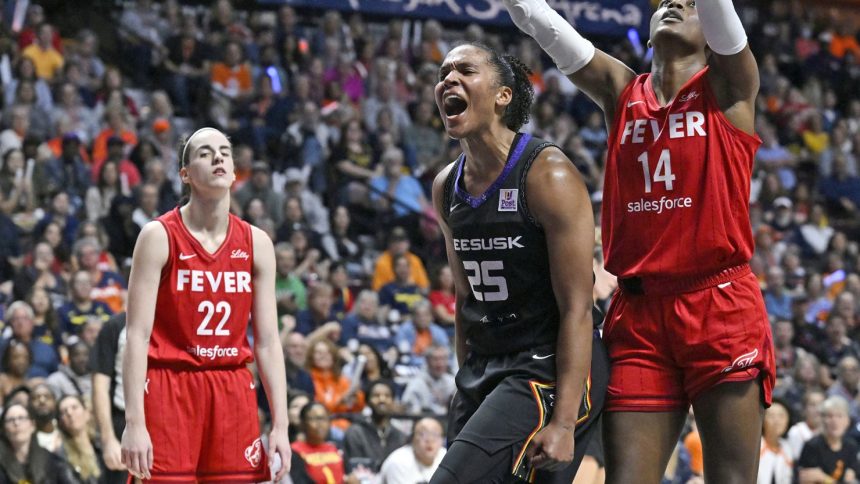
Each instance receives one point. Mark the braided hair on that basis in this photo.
(512, 73)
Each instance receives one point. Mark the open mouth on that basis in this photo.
(672, 15)
(219, 172)
(455, 105)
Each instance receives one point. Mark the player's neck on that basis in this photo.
(669, 74)
(486, 152)
(207, 214)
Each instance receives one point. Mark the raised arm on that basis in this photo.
(461, 283)
(558, 199)
(267, 348)
(150, 255)
(734, 72)
(596, 73)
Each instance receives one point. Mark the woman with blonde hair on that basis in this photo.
(78, 448)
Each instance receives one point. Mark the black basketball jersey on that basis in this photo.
(511, 307)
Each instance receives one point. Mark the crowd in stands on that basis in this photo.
(336, 139)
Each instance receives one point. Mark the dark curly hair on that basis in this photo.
(512, 73)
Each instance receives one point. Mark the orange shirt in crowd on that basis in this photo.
(100, 143)
(842, 44)
(384, 272)
(329, 389)
(238, 77)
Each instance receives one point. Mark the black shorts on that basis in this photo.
(503, 401)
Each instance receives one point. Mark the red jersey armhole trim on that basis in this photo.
(165, 270)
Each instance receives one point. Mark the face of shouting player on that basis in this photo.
(677, 21)
(209, 162)
(468, 94)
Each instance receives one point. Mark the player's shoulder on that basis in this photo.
(154, 232)
(442, 177)
(551, 161)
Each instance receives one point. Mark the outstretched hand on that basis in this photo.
(552, 448)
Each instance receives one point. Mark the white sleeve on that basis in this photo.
(722, 26)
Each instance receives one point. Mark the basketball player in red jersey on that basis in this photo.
(198, 275)
(688, 325)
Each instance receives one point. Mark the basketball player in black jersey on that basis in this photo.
(519, 230)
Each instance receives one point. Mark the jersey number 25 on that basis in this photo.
(479, 275)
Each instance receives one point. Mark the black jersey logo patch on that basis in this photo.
(508, 199)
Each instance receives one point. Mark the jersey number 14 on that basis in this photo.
(662, 174)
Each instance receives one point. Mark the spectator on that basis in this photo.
(231, 85)
(107, 397)
(417, 334)
(776, 463)
(846, 384)
(341, 246)
(108, 287)
(128, 172)
(383, 100)
(40, 273)
(837, 345)
(260, 186)
(432, 389)
(16, 364)
(297, 401)
(47, 59)
(344, 298)
(368, 442)
(100, 196)
(117, 126)
(319, 318)
(373, 366)
(442, 299)
(188, 68)
(315, 214)
(74, 379)
(840, 189)
(831, 456)
(44, 406)
(16, 192)
(354, 162)
(331, 388)
(365, 324)
(78, 449)
(46, 324)
(81, 306)
(399, 297)
(18, 127)
(801, 432)
(324, 462)
(44, 361)
(290, 291)
(298, 378)
(417, 460)
(147, 209)
(777, 301)
(22, 459)
(398, 244)
(396, 192)
(68, 172)
(25, 70)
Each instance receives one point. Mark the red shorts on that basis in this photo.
(204, 426)
(667, 345)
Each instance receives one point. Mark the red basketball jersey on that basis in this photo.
(204, 300)
(676, 193)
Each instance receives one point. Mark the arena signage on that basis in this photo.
(609, 17)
